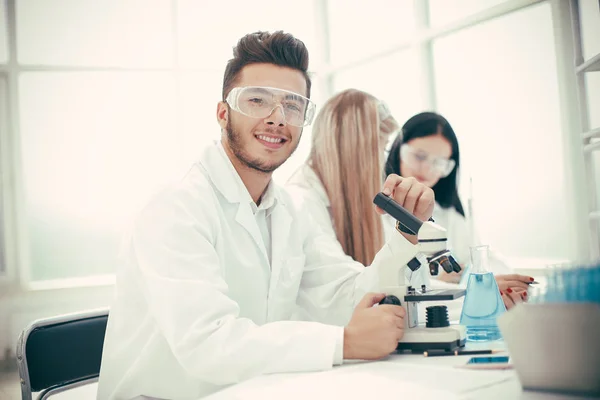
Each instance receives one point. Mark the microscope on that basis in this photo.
(431, 250)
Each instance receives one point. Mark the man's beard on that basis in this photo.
(237, 147)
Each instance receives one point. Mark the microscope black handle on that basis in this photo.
(399, 213)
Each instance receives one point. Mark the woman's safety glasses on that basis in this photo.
(260, 102)
(416, 158)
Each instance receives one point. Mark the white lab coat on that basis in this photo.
(461, 237)
(304, 183)
(197, 304)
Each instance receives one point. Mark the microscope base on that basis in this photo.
(422, 339)
(421, 347)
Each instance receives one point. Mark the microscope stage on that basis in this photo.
(435, 295)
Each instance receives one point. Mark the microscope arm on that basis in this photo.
(393, 259)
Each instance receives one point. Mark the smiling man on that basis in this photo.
(270, 107)
(224, 276)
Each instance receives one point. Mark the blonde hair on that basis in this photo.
(345, 155)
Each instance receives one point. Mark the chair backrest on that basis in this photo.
(61, 352)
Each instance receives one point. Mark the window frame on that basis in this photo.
(17, 271)
(422, 42)
(5, 271)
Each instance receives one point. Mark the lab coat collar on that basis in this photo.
(226, 179)
(268, 200)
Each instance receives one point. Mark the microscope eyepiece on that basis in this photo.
(446, 264)
(399, 213)
(434, 268)
(455, 265)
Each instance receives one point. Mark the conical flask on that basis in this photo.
(483, 303)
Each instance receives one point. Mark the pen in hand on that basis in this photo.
(459, 353)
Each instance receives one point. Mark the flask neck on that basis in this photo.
(480, 259)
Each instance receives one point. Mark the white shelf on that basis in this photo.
(593, 64)
(594, 133)
(595, 215)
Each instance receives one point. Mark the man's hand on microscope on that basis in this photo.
(373, 332)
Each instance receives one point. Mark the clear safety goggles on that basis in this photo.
(261, 101)
(383, 110)
(416, 158)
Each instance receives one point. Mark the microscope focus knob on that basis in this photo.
(391, 299)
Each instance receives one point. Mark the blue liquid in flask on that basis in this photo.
(483, 303)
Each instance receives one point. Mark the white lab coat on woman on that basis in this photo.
(304, 183)
(201, 302)
(461, 237)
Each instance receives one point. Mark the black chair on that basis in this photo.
(61, 353)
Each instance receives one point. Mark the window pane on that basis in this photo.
(596, 177)
(592, 87)
(393, 79)
(128, 33)
(442, 12)
(589, 12)
(362, 27)
(3, 166)
(200, 93)
(503, 102)
(91, 156)
(3, 34)
(208, 34)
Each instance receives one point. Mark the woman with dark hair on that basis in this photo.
(427, 149)
(432, 156)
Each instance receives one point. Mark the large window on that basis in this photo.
(501, 95)
(4, 151)
(115, 99)
(89, 160)
(125, 33)
(4, 166)
(3, 34)
(206, 34)
(489, 66)
(593, 90)
(442, 12)
(393, 79)
(112, 99)
(589, 14)
(359, 28)
(592, 83)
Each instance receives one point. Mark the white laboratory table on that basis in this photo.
(396, 377)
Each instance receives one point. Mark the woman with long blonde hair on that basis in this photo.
(344, 171)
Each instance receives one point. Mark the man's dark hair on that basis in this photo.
(277, 48)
